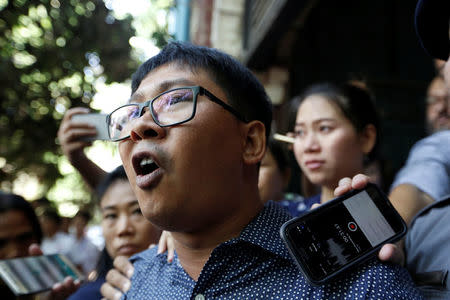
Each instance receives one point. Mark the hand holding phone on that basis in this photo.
(34, 274)
(342, 233)
(97, 120)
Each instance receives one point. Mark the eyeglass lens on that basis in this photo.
(169, 108)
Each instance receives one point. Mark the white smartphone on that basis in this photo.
(98, 120)
(34, 274)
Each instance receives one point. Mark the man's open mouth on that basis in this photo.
(144, 165)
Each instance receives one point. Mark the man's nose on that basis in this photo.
(145, 127)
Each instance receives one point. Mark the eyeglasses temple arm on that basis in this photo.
(223, 104)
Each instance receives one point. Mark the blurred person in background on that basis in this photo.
(19, 226)
(424, 181)
(125, 229)
(20, 233)
(274, 174)
(437, 106)
(19, 229)
(65, 224)
(54, 241)
(72, 137)
(439, 65)
(83, 252)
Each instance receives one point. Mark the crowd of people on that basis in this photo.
(204, 179)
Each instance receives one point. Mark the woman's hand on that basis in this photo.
(166, 243)
(389, 252)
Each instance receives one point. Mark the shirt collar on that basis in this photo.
(264, 229)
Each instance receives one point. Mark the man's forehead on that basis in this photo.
(148, 90)
(166, 77)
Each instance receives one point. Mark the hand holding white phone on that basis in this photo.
(97, 120)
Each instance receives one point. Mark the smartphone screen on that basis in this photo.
(97, 120)
(343, 232)
(33, 274)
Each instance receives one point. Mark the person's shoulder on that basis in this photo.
(148, 257)
(443, 135)
(370, 280)
(151, 274)
(88, 291)
(384, 281)
(437, 142)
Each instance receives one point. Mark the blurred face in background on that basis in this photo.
(446, 72)
(446, 67)
(272, 181)
(438, 109)
(79, 224)
(49, 226)
(16, 234)
(125, 229)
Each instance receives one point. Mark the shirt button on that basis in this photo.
(199, 297)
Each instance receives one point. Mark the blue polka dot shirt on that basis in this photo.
(256, 265)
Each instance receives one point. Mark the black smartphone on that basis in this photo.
(342, 233)
(34, 274)
(98, 120)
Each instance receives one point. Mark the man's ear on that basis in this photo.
(368, 138)
(254, 142)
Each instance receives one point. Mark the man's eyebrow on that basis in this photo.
(168, 84)
(162, 87)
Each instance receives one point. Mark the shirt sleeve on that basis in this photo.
(377, 280)
(428, 166)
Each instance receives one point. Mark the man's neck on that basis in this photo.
(194, 249)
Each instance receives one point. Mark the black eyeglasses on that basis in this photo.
(173, 107)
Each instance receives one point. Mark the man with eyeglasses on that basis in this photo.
(191, 140)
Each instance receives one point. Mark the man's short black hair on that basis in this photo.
(244, 91)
